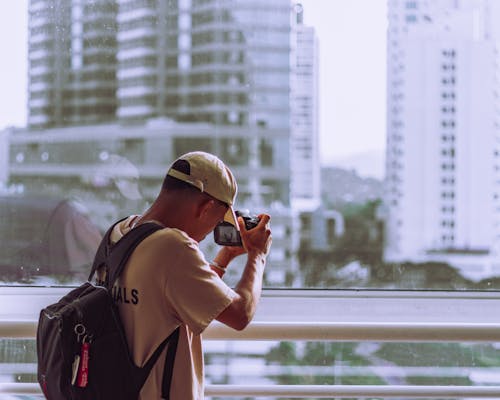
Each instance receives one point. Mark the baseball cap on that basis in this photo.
(210, 175)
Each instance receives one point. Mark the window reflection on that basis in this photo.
(117, 89)
(115, 82)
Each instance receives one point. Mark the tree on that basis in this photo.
(362, 241)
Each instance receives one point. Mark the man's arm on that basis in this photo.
(256, 242)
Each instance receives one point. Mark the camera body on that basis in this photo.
(226, 234)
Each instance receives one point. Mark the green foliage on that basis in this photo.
(429, 275)
(320, 354)
(444, 381)
(283, 354)
(17, 351)
(362, 241)
(363, 237)
(440, 354)
(327, 353)
(432, 355)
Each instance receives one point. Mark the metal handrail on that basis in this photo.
(327, 331)
(318, 391)
(360, 331)
(359, 391)
(324, 331)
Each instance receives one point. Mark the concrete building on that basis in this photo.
(226, 63)
(237, 78)
(72, 62)
(305, 159)
(442, 168)
(116, 170)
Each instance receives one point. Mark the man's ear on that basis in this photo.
(204, 206)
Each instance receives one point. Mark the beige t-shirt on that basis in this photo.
(166, 283)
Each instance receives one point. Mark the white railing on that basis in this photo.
(328, 331)
(324, 331)
(318, 391)
(388, 316)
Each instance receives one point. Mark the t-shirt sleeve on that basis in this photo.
(197, 293)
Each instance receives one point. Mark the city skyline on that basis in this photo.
(339, 93)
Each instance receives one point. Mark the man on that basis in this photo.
(168, 283)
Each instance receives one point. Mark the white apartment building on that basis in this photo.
(305, 166)
(443, 137)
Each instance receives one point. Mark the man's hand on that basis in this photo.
(256, 241)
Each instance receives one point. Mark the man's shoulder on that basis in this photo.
(171, 235)
(164, 240)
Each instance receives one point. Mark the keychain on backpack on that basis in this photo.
(80, 366)
(83, 370)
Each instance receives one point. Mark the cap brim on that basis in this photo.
(230, 217)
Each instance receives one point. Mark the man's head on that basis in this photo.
(204, 176)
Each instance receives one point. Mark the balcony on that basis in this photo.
(365, 317)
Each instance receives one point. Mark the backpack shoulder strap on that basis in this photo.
(168, 369)
(122, 250)
(114, 257)
(102, 251)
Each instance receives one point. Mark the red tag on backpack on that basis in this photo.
(83, 371)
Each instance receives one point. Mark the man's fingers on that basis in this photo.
(241, 223)
(264, 218)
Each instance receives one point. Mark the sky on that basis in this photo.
(352, 46)
(352, 75)
(14, 74)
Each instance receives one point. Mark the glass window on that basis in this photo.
(373, 144)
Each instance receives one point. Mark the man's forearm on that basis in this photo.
(256, 243)
(249, 287)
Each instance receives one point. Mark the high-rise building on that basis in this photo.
(305, 159)
(226, 63)
(72, 62)
(443, 137)
(105, 74)
(220, 62)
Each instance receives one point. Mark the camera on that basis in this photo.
(226, 234)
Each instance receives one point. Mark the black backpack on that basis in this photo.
(81, 344)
